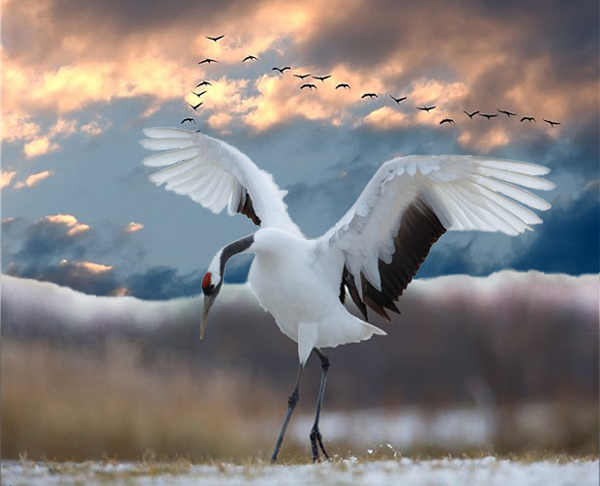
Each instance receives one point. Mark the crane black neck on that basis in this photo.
(233, 249)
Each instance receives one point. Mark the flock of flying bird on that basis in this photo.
(311, 86)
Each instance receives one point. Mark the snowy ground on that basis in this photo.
(487, 471)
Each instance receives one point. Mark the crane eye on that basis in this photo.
(206, 281)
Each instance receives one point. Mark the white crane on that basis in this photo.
(372, 253)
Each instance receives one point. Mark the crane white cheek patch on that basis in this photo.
(307, 338)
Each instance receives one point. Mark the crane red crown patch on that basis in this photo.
(206, 280)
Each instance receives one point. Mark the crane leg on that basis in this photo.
(316, 440)
(292, 402)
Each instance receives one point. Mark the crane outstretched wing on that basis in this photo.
(216, 175)
(410, 202)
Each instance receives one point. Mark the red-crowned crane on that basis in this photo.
(372, 253)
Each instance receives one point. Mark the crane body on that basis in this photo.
(370, 255)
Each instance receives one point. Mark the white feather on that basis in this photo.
(514, 166)
(192, 153)
(167, 133)
(521, 179)
(520, 195)
(167, 143)
(174, 171)
(168, 158)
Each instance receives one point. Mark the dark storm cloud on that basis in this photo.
(569, 242)
(44, 250)
(161, 283)
(75, 276)
(43, 243)
(59, 249)
(367, 33)
(547, 49)
(34, 31)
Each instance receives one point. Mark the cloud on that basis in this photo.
(33, 250)
(94, 128)
(74, 310)
(17, 125)
(436, 53)
(6, 178)
(385, 118)
(61, 249)
(39, 146)
(68, 220)
(134, 227)
(34, 179)
(576, 253)
(90, 267)
(63, 128)
(484, 142)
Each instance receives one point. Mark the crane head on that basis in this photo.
(211, 286)
(213, 279)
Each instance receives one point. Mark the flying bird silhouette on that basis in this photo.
(281, 70)
(551, 123)
(207, 61)
(507, 113)
(309, 86)
(198, 94)
(426, 108)
(322, 78)
(369, 95)
(195, 107)
(302, 76)
(343, 85)
(471, 115)
(204, 83)
(215, 39)
(250, 58)
(371, 254)
(399, 100)
(489, 116)
(188, 119)
(447, 120)
(528, 118)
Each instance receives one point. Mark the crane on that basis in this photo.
(371, 254)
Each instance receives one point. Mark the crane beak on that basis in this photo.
(208, 302)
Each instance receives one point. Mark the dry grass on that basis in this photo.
(75, 405)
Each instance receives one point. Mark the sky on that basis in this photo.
(80, 80)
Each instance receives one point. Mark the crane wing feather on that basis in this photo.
(410, 202)
(216, 175)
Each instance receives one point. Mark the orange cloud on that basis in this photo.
(63, 128)
(386, 118)
(485, 141)
(17, 125)
(39, 146)
(70, 221)
(121, 292)
(134, 227)
(158, 61)
(93, 128)
(446, 97)
(74, 85)
(34, 179)
(6, 178)
(90, 267)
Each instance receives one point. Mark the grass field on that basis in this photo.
(488, 471)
